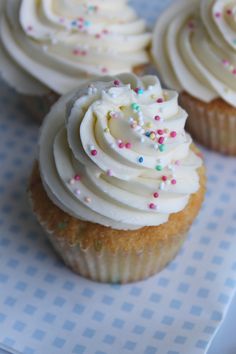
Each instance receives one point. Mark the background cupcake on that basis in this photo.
(48, 48)
(117, 184)
(194, 48)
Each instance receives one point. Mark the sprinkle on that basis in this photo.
(116, 82)
(149, 125)
(29, 28)
(177, 163)
(138, 90)
(77, 192)
(121, 145)
(77, 178)
(158, 168)
(229, 12)
(152, 206)
(225, 62)
(107, 130)
(72, 181)
(155, 195)
(87, 200)
(109, 173)
(164, 178)
(142, 139)
(128, 145)
(156, 146)
(160, 132)
(94, 152)
(162, 186)
(160, 100)
(217, 14)
(135, 107)
(98, 36)
(162, 147)
(173, 134)
(234, 72)
(152, 136)
(147, 134)
(161, 140)
(157, 118)
(104, 70)
(173, 181)
(140, 159)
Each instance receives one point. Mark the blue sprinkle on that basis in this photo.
(140, 159)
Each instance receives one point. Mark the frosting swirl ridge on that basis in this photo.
(59, 44)
(197, 42)
(118, 155)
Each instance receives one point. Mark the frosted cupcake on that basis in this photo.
(48, 48)
(117, 183)
(194, 47)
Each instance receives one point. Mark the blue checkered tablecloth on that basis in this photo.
(45, 308)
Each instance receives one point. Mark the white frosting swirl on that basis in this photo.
(194, 46)
(118, 154)
(58, 44)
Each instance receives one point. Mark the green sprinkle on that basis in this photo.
(162, 147)
(62, 225)
(135, 107)
(159, 168)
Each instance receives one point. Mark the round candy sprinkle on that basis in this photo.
(77, 192)
(94, 152)
(155, 195)
(72, 181)
(229, 12)
(152, 206)
(157, 118)
(152, 136)
(121, 145)
(164, 178)
(217, 14)
(109, 173)
(87, 200)
(158, 168)
(173, 134)
(135, 107)
(140, 159)
(128, 145)
(162, 148)
(160, 100)
(161, 140)
(116, 82)
(173, 181)
(138, 90)
(160, 132)
(106, 130)
(77, 177)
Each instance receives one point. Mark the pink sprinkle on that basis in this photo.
(29, 28)
(76, 52)
(128, 145)
(173, 134)
(160, 132)
(229, 12)
(234, 71)
(121, 145)
(81, 19)
(217, 14)
(104, 70)
(157, 117)
(177, 162)
(155, 195)
(105, 31)
(116, 82)
(98, 36)
(191, 25)
(164, 178)
(160, 100)
(225, 62)
(77, 177)
(173, 181)
(152, 206)
(109, 173)
(94, 152)
(137, 89)
(161, 140)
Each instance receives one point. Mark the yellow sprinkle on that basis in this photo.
(149, 125)
(106, 130)
(152, 136)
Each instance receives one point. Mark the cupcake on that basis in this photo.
(48, 48)
(117, 183)
(194, 48)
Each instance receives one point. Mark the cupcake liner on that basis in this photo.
(39, 106)
(120, 266)
(211, 124)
